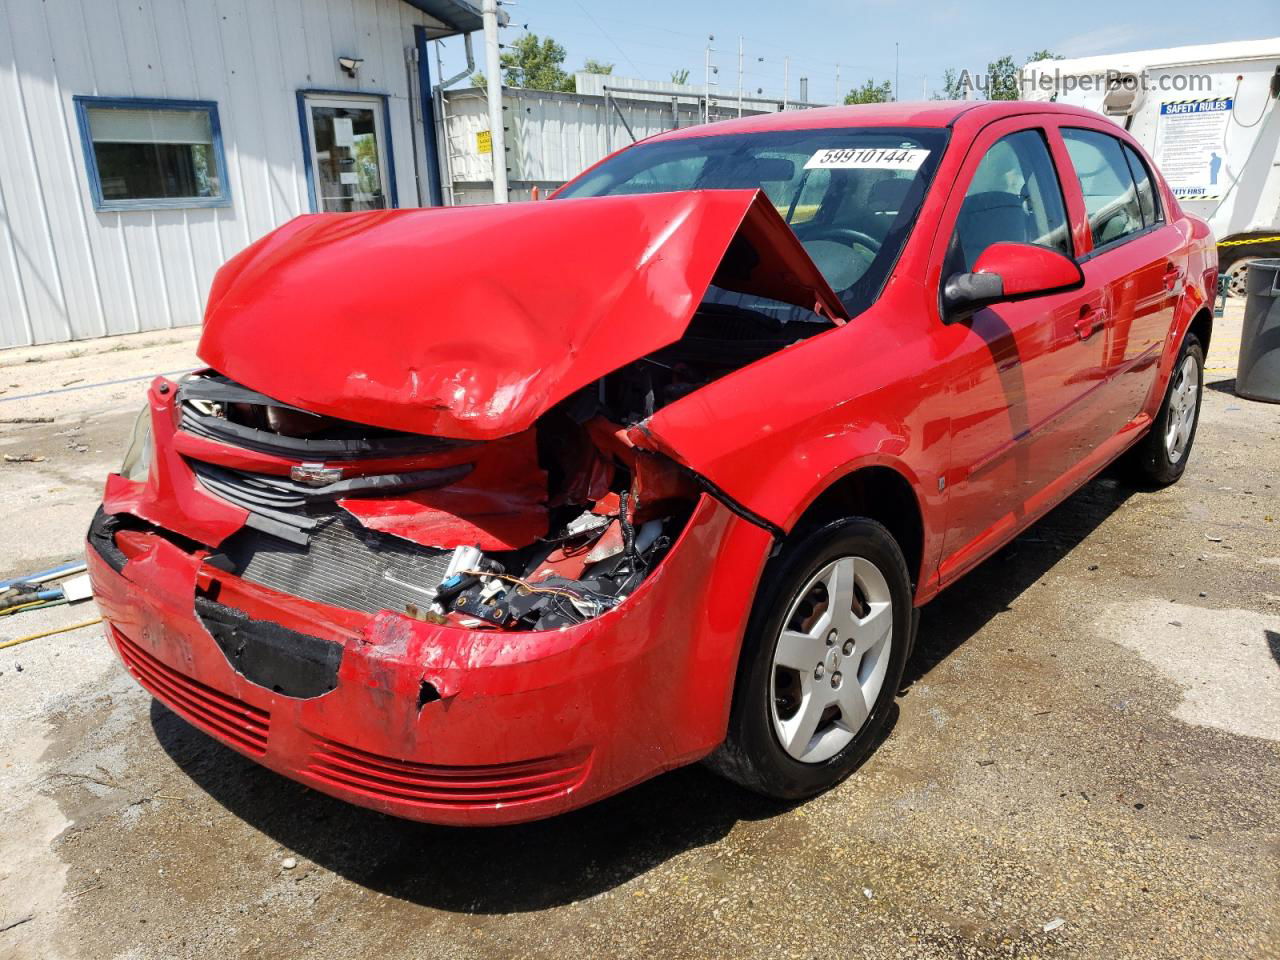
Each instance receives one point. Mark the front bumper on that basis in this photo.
(440, 723)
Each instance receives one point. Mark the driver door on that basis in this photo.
(1023, 374)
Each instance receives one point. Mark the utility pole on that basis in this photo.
(839, 98)
(739, 74)
(786, 80)
(493, 80)
(706, 101)
(896, 73)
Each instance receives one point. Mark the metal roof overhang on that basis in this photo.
(456, 16)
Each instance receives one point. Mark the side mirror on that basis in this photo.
(1006, 272)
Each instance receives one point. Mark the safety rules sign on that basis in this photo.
(1190, 147)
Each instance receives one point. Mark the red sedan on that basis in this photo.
(561, 495)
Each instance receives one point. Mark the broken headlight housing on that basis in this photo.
(138, 454)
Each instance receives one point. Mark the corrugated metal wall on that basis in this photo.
(551, 137)
(68, 271)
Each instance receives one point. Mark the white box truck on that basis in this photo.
(1208, 115)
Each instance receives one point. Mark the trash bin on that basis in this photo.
(1258, 372)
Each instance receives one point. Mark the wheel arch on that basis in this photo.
(879, 493)
(1202, 326)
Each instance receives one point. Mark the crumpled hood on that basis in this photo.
(470, 322)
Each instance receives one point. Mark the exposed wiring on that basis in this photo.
(628, 530)
(526, 584)
(49, 633)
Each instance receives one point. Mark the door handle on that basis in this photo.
(1172, 275)
(1088, 321)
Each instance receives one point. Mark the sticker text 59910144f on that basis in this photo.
(867, 158)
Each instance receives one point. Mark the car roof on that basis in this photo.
(928, 113)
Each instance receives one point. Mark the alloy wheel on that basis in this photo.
(830, 659)
(1183, 396)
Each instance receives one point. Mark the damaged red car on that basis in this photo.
(565, 494)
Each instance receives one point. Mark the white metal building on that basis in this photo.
(551, 137)
(147, 141)
(1208, 114)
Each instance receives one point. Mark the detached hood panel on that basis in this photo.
(470, 322)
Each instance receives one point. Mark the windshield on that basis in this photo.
(849, 194)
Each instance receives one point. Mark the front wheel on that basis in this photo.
(821, 661)
(1161, 456)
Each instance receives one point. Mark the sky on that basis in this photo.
(854, 41)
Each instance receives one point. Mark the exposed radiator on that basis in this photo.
(343, 566)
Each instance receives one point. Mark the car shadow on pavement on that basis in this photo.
(586, 852)
(963, 609)
(470, 870)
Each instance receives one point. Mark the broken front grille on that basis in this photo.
(344, 565)
(218, 408)
(277, 505)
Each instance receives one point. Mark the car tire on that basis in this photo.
(1160, 457)
(774, 745)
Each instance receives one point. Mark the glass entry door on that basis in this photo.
(347, 141)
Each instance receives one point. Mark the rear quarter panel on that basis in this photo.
(1200, 257)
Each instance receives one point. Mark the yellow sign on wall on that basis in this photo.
(484, 141)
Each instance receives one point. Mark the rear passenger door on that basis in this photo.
(1131, 255)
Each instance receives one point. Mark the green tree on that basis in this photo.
(680, 76)
(537, 63)
(870, 92)
(533, 62)
(1002, 79)
(952, 86)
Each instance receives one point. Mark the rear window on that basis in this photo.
(1110, 193)
(1147, 200)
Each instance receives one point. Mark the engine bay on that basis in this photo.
(539, 530)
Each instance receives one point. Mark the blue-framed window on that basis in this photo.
(147, 154)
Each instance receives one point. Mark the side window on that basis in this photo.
(1147, 202)
(1014, 197)
(1110, 195)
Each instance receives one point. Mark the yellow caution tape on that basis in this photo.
(1241, 243)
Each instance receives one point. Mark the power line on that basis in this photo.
(606, 35)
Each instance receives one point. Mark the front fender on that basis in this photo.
(777, 434)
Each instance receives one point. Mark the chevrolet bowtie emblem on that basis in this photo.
(315, 474)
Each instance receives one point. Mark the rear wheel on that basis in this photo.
(821, 661)
(1161, 456)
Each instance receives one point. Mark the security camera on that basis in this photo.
(350, 65)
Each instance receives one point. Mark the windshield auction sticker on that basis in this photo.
(867, 158)
(1191, 147)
